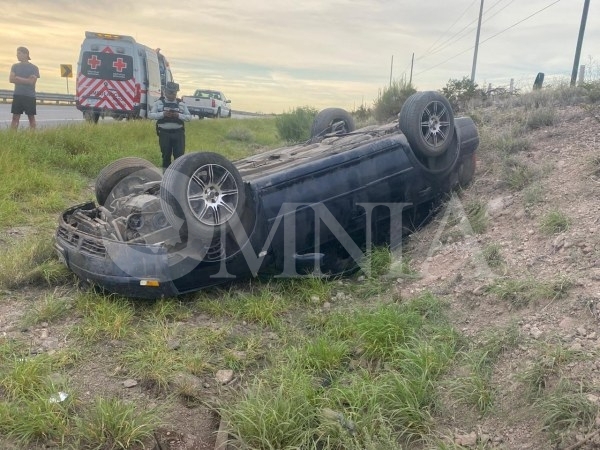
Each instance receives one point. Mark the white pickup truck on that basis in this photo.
(208, 103)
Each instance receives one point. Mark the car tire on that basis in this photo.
(466, 171)
(427, 121)
(202, 194)
(468, 138)
(121, 177)
(331, 120)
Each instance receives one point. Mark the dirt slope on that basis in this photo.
(565, 158)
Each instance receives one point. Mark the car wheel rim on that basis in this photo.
(435, 123)
(212, 194)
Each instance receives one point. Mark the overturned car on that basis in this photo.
(315, 207)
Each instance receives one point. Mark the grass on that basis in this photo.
(66, 158)
(319, 362)
(516, 174)
(523, 292)
(594, 164)
(533, 194)
(541, 117)
(33, 411)
(262, 306)
(492, 253)
(113, 423)
(104, 318)
(551, 360)
(555, 222)
(310, 390)
(508, 142)
(276, 415)
(473, 385)
(31, 261)
(565, 409)
(477, 216)
(52, 307)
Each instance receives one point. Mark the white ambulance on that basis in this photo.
(118, 77)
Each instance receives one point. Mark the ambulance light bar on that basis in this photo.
(108, 36)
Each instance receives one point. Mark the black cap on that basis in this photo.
(24, 50)
(172, 87)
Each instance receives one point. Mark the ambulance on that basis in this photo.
(118, 77)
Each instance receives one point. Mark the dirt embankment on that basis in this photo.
(563, 162)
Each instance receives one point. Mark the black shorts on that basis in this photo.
(23, 104)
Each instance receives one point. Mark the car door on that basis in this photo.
(225, 109)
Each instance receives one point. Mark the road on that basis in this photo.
(53, 115)
(47, 116)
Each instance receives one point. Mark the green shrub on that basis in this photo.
(295, 126)
(390, 100)
(460, 92)
(362, 114)
(592, 90)
(541, 117)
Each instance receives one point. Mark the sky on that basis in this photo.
(272, 56)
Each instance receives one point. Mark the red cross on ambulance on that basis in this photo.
(119, 64)
(94, 62)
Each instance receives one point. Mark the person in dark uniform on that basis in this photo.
(170, 114)
(23, 75)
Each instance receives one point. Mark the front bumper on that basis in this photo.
(141, 273)
(143, 270)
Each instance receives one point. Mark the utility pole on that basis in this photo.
(476, 44)
(586, 6)
(412, 63)
(391, 70)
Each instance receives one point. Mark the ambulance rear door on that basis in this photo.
(106, 80)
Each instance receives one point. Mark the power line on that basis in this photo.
(498, 12)
(491, 37)
(450, 27)
(453, 39)
(462, 33)
(521, 21)
(488, 10)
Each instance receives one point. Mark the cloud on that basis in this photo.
(273, 55)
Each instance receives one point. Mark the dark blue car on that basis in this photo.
(312, 208)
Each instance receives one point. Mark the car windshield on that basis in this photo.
(206, 94)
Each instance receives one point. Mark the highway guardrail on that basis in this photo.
(42, 97)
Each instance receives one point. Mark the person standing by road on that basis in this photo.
(170, 114)
(23, 75)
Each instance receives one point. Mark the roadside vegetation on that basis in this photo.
(350, 363)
